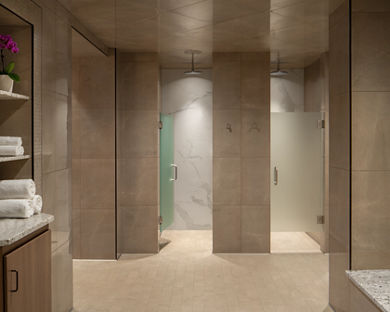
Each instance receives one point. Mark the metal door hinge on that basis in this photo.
(160, 124)
(320, 219)
(321, 124)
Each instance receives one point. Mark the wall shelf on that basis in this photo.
(4, 95)
(13, 158)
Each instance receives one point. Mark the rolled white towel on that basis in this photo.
(10, 141)
(11, 150)
(37, 204)
(16, 208)
(17, 189)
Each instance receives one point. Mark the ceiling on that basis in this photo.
(296, 29)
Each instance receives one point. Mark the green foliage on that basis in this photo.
(14, 77)
(10, 67)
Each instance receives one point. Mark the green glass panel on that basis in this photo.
(166, 171)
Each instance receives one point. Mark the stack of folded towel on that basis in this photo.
(11, 146)
(18, 199)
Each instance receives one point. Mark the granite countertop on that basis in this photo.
(11, 230)
(375, 284)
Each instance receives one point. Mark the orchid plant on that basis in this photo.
(7, 44)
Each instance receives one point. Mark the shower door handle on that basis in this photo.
(174, 172)
(276, 176)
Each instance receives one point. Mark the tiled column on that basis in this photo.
(370, 134)
(93, 153)
(137, 152)
(241, 152)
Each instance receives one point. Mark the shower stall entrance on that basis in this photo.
(185, 154)
(297, 179)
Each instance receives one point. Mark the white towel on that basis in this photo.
(17, 189)
(16, 208)
(10, 141)
(11, 150)
(37, 204)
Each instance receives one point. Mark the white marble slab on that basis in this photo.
(11, 230)
(375, 284)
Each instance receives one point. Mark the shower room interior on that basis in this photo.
(186, 152)
(298, 162)
(299, 158)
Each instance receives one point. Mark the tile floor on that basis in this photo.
(186, 276)
(293, 242)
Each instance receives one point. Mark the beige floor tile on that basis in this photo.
(186, 277)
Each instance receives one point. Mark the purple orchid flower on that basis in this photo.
(8, 44)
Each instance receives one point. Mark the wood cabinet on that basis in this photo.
(27, 274)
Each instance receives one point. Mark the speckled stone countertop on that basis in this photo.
(11, 230)
(375, 284)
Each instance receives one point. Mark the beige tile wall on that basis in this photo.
(137, 152)
(56, 165)
(241, 157)
(339, 158)
(93, 154)
(371, 135)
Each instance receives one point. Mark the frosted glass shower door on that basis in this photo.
(296, 172)
(167, 176)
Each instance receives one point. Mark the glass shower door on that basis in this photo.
(297, 172)
(167, 171)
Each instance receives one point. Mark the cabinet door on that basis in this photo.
(28, 276)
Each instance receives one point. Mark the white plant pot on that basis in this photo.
(6, 83)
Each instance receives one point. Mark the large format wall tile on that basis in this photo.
(137, 179)
(255, 188)
(255, 85)
(97, 183)
(226, 228)
(370, 220)
(137, 231)
(139, 129)
(226, 181)
(97, 233)
(371, 131)
(226, 78)
(54, 131)
(371, 51)
(56, 200)
(97, 133)
(96, 83)
(137, 82)
(255, 226)
(339, 131)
